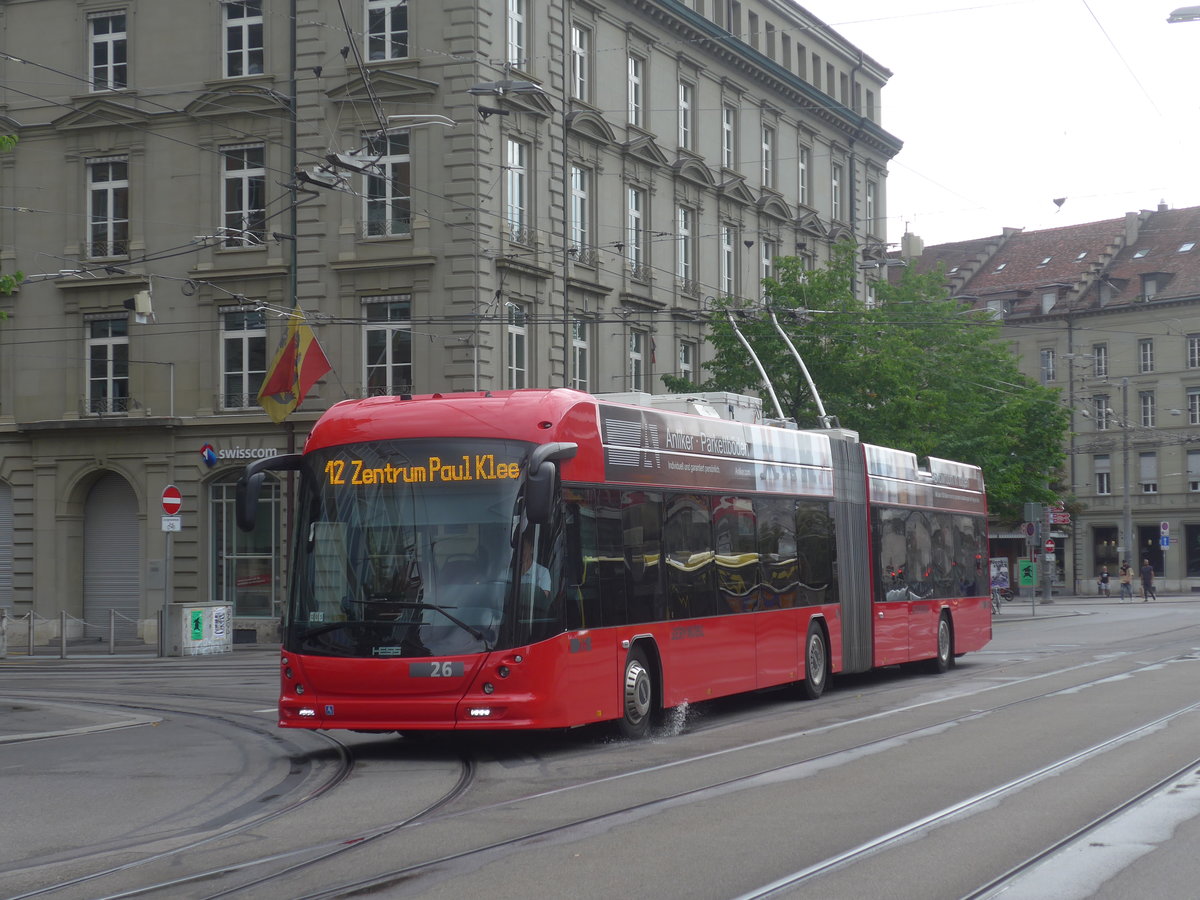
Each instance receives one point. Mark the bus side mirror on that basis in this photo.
(542, 480)
(249, 486)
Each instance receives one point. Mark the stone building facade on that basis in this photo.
(459, 196)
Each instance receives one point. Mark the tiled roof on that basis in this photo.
(1158, 250)
(1105, 263)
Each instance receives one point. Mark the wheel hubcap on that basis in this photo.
(816, 660)
(637, 692)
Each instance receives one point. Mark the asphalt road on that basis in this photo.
(1060, 762)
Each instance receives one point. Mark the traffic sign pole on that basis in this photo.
(172, 503)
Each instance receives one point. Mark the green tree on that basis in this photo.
(8, 283)
(916, 371)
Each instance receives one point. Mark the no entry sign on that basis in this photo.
(172, 500)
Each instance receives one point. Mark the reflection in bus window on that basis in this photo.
(737, 553)
(640, 512)
(688, 555)
(816, 554)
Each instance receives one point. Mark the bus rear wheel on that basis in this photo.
(945, 647)
(637, 696)
(816, 663)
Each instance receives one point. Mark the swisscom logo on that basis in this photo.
(211, 455)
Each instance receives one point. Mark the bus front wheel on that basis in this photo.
(816, 663)
(637, 696)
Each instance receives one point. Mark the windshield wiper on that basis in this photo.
(411, 604)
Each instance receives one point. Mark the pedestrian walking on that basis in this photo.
(1125, 576)
(1148, 581)
(1102, 582)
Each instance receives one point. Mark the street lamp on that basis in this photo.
(1184, 14)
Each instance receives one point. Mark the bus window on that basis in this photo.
(688, 557)
(642, 538)
(777, 553)
(609, 576)
(737, 553)
(816, 553)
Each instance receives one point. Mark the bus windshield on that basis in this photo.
(405, 548)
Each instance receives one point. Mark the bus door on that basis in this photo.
(891, 615)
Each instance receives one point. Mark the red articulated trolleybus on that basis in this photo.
(548, 559)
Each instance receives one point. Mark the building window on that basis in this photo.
(1146, 408)
(1148, 472)
(580, 355)
(1146, 355)
(768, 156)
(835, 189)
(770, 250)
(1149, 286)
(516, 336)
(685, 251)
(637, 360)
(728, 136)
(728, 263)
(685, 115)
(581, 182)
(108, 365)
(1101, 411)
(1047, 370)
(243, 38)
(243, 357)
(1193, 471)
(516, 190)
(635, 88)
(109, 47)
(581, 41)
(802, 175)
(516, 32)
(635, 229)
(687, 361)
(1193, 401)
(873, 225)
(387, 345)
(387, 29)
(245, 199)
(1102, 468)
(245, 563)
(387, 198)
(1100, 360)
(108, 207)
(1193, 351)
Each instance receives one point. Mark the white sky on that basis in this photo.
(1005, 105)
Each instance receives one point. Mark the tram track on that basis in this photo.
(299, 859)
(287, 801)
(278, 871)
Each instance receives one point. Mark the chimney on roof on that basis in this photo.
(1132, 226)
(1162, 206)
(911, 246)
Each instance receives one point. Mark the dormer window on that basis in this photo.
(1000, 268)
(1045, 261)
(1081, 256)
(1186, 247)
(1141, 253)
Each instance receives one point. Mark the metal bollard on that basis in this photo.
(62, 634)
(32, 627)
(112, 632)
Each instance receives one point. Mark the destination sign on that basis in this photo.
(434, 470)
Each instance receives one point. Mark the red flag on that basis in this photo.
(298, 365)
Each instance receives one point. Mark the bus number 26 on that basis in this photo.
(435, 668)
